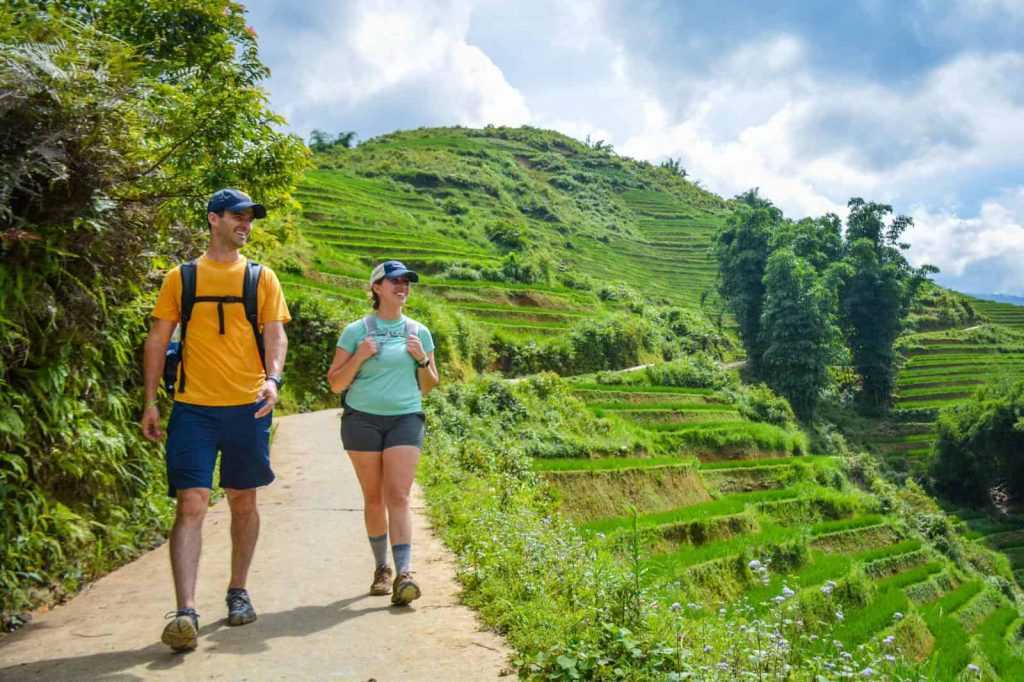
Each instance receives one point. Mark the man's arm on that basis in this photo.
(275, 347)
(152, 368)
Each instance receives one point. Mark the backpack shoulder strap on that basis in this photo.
(250, 296)
(412, 327)
(370, 322)
(188, 290)
(188, 300)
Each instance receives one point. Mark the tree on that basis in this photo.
(345, 139)
(674, 166)
(799, 334)
(118, 119)
(320, 141)
(741, 249)
(875, 296)
(977, 454)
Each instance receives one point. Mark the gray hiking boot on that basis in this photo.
(405, 589)
(381, 581)
(182, 633)
(240, 610)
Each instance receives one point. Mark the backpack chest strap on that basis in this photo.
(220, 301)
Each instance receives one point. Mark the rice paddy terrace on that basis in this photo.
(465, 207)
(705, 514)
(942, 369)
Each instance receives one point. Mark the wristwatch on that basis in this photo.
(277, 379)
(424, 364)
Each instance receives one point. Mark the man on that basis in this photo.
(224, 398)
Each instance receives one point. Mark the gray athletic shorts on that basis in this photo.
(364, 432)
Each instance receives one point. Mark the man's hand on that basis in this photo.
(268, 396)
(367, 348)
(415, 348)
(150, 423)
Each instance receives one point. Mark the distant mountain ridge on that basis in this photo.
(1000, 298)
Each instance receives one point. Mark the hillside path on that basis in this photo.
(309, 583)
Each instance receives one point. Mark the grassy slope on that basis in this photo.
(431, 197)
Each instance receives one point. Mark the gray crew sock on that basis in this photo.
(403, 557)
(379, 545)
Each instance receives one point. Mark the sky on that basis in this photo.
(914, 103)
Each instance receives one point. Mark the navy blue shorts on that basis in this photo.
(196, 433)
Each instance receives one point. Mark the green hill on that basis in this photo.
(524, 230)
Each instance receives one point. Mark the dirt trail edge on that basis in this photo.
(309, 584)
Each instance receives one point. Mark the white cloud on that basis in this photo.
(367, 50)
(952, 243)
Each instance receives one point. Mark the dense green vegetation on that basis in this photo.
(794, 286)
(118, 119)
(978, 447)
(690, 564)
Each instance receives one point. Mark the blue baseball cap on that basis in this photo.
(392, 269)
(234, 200)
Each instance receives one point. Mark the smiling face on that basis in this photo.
(392, 292)
(231, 229)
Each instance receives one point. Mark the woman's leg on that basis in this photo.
(369, 470)
(399, 470)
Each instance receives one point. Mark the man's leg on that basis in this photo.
(187, 542)
(191, 454)
(245, 530)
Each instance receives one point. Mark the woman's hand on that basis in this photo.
(415, 348)
(367, 348)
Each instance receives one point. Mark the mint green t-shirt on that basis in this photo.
(386, 383)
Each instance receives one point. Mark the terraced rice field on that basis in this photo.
(942, 370)
(819, 533)
(355, 222)
(1001, 313)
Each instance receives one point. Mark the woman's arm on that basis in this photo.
(346, 365)
(428, 376)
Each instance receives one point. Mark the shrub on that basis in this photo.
(689, 331)
(505, 235)
(977, 445)
(462, 272)
(760, 404)
(312, 339)
(453, 206)
(612, 343)
(693, 371)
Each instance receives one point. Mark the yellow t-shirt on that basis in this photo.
(221, 369)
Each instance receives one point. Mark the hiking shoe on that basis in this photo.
(405, 589)
(381, 581)
(240, 610)
(182, 633)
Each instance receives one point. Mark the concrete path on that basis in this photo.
(309, 584)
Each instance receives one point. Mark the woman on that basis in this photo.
(386, 363)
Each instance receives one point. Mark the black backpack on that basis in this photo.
(176, 349)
